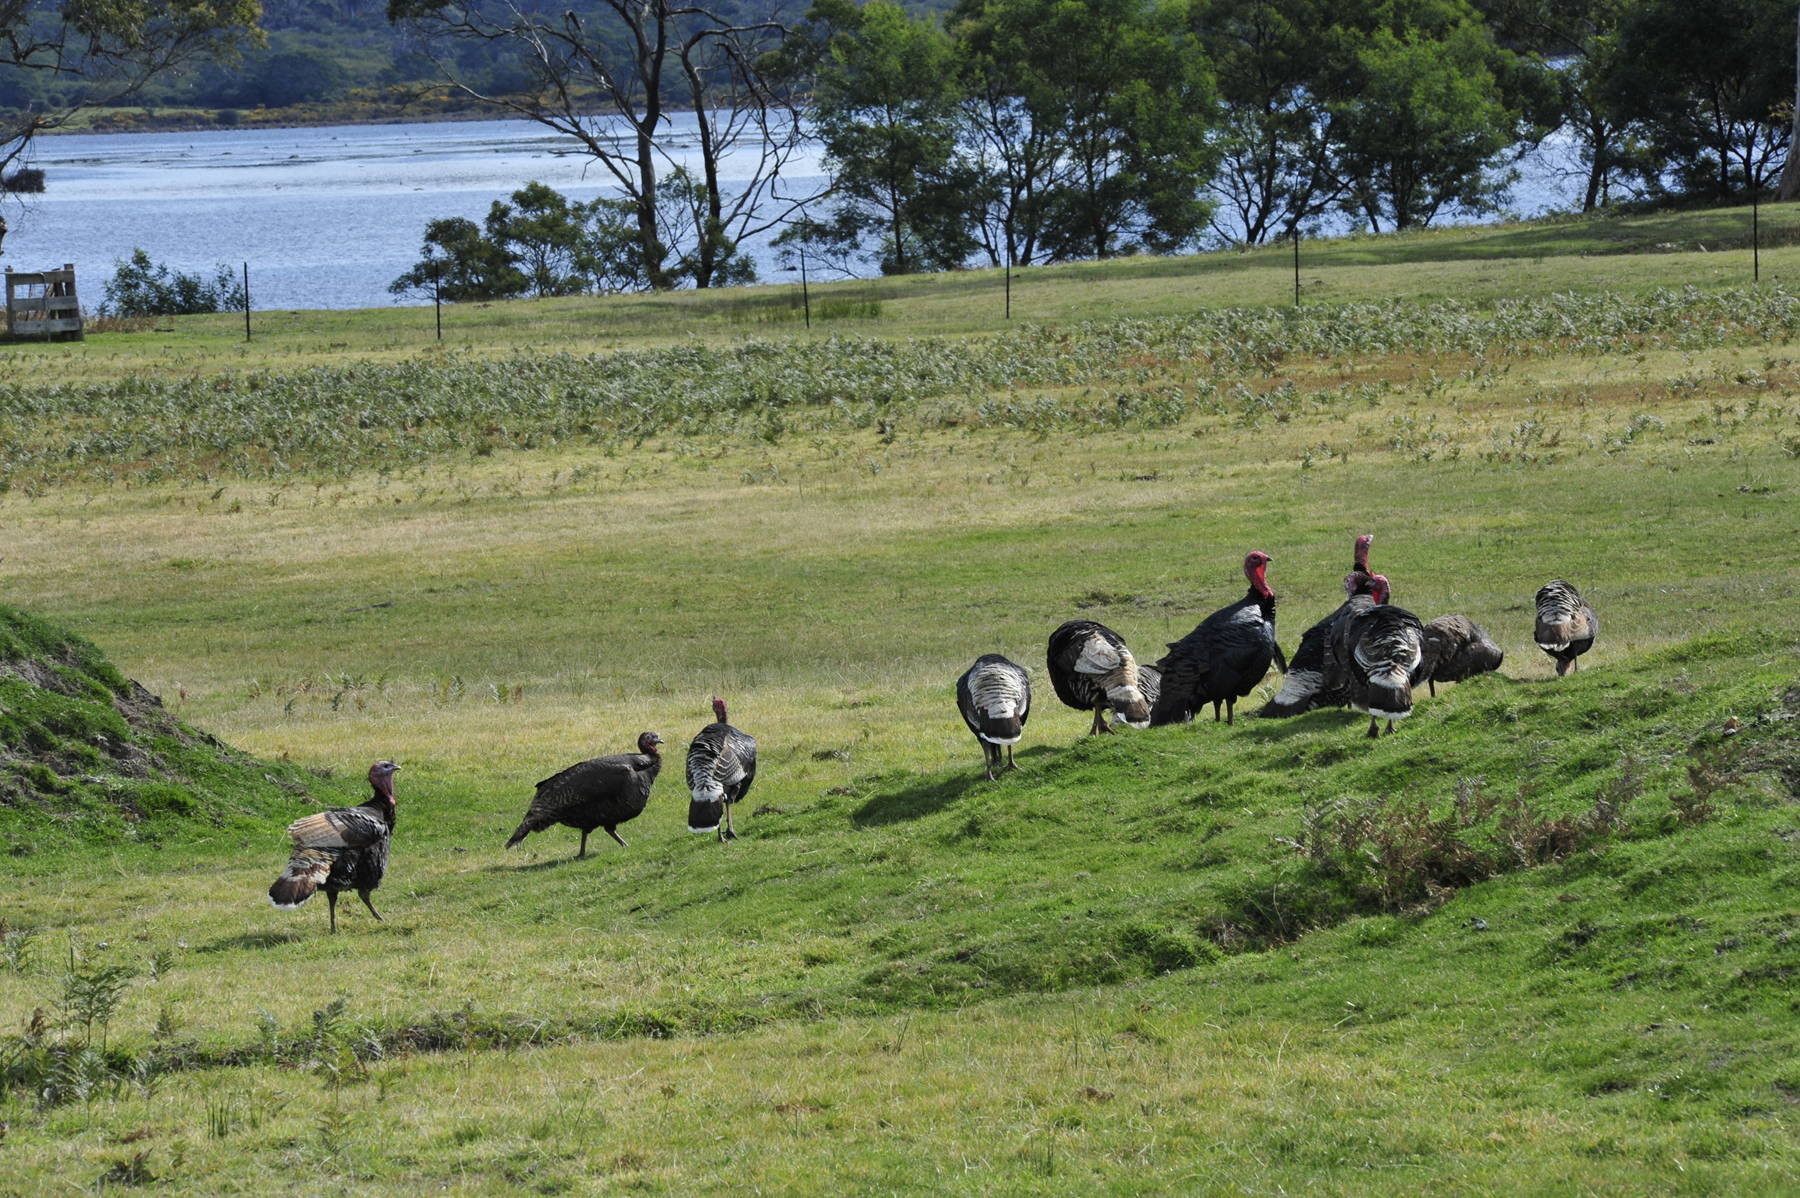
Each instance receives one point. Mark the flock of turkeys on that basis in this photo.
(1368, 654)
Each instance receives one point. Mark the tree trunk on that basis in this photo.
(1789, 188)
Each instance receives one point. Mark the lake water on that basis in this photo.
(327, 218)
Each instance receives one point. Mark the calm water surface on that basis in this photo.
(328, 217)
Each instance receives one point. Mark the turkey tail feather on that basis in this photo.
(525, 829)
(705, 817)
(306, 871)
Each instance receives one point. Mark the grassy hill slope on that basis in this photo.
(1540, 940)
(87, 755)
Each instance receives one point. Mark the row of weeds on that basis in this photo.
(334, 420)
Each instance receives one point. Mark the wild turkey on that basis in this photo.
(1305, 686)
(994, 697)
(344, 848)
(1382, 648)
(1092, 670)
(1566, 625)
(602, 793)
(721, 765)
(1223, 659)
(1456, 648)
(1149, 686)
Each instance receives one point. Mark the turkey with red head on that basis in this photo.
(1456, 648)
(1092, 670)
(721, 765)
(344, 848)
(1566, 625)
(602, 793)
(1306, 686)
(1223, 659)
(1382, 649)
(994, 698)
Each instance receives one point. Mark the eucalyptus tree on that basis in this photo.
(887, 113)
(609, 73)
(1427, 109)
(1581, 39)
(1710, 82)
(1274, 136)
(1088, 119)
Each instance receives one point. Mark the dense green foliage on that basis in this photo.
(89, 756)
(141, 287)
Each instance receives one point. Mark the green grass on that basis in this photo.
(1108, 972)
(1705, 248)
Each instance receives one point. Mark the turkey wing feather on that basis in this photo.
(339, 828)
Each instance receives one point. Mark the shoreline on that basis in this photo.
(290, 118)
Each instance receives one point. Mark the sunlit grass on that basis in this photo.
(842, 1000)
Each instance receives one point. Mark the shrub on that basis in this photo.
(141, 287)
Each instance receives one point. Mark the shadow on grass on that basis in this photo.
(920, 798)
(255, 940)
(538, 867)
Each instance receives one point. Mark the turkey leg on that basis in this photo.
(1009, 760)
(583, 852)
(1230, 707)
(364, 896)
(1100, 725)
(618, 838)
(1374, 727)
(331, 899)
(725, 831)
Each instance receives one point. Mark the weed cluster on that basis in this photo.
(1400, 856)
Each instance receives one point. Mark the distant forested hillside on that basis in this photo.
(318, 51)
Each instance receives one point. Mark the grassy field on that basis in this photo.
(1114, 971)
(1474, 265)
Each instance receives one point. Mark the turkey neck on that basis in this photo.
(383, 800)
(1264, 598)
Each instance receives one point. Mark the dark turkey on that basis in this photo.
(994, 697)
(721, 765)
(1456, 648)
(602, 793)
(1223, 659)
(345, 848)
(1566, 625)
(1382, 649)
(1092, 670)
(1306, 686)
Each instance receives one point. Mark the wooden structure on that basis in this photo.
(43, 303)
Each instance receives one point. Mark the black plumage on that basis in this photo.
(344, 848)
(1306, 685)
(1382, 649)
(1456, 648)
(1092, 670)
(994, 698)
(602, 793)
(721, 765)
(1566, 625)
(1223, 659)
